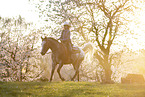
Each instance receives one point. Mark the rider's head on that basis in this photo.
(66, 25)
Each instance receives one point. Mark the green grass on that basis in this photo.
(70, 89)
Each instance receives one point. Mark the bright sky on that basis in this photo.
(14, 8)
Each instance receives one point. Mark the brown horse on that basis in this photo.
(59, 56)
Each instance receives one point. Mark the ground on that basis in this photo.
(70, 89)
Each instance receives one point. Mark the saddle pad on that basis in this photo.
(75, 49)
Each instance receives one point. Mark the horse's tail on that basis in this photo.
(87, 46)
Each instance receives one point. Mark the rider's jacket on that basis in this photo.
(65, 36)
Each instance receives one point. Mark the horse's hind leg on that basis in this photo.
(76, 73)
(76, 67)
(58, 71)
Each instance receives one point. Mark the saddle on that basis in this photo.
(75, 49)
(68, 55)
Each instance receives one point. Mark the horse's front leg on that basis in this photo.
(78, 76)
(52, 71)
(58, 71)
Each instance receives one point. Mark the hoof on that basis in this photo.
(63, 79)
(50, 80)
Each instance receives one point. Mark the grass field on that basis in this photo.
(70, 89)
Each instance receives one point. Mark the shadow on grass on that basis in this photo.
(18, 89)
(69, 89)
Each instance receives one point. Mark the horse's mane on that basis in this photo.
(51, 38)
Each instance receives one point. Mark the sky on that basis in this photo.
(14, 8)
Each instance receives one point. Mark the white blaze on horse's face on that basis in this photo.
(42, 50)
(43, 43)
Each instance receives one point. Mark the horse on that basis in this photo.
(59, 56)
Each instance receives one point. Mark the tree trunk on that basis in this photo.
(108, 73)
(107, 70)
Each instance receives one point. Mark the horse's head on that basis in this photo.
(45, 45)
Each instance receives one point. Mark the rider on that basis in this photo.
(65, 37)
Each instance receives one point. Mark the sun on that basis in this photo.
(137, 27)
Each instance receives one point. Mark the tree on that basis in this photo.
(98, 21)
(16, 47)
